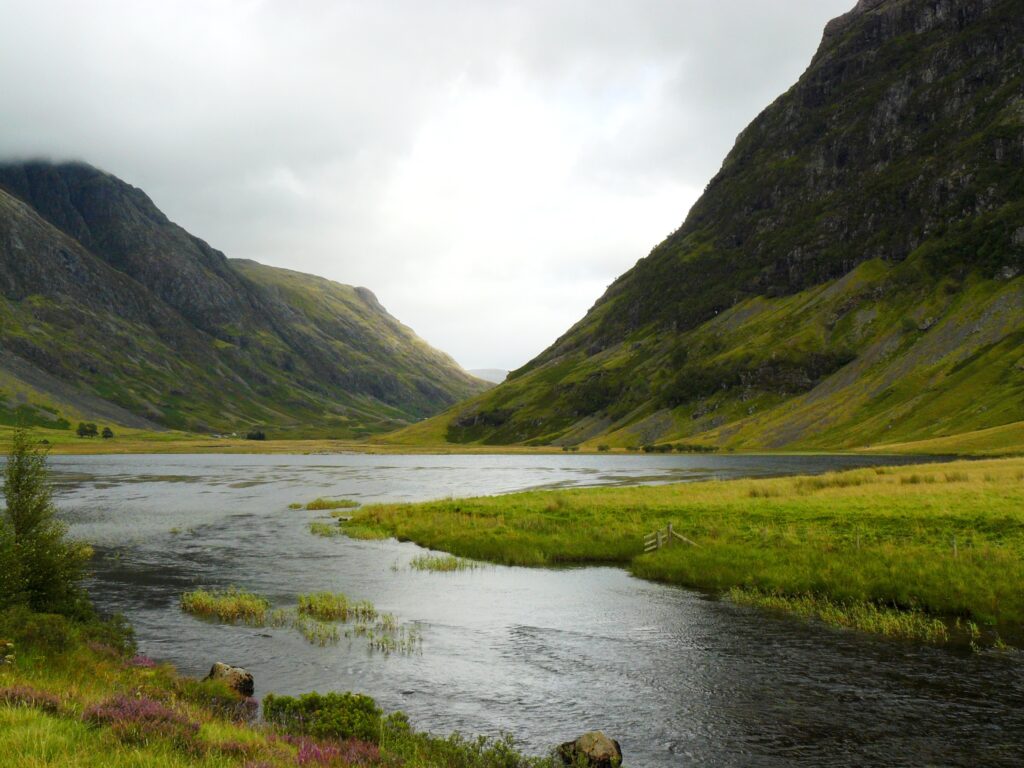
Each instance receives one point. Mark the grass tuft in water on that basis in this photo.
(229, 605)
(904, 624)
(442, 563)
(318, 504)
(327, 530)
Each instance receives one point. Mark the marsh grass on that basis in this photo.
(442, 563)
(322, 504)
(904, 624)
(315, 616)
(317, 632)
(230, 605)
(327, 530)
(881, 536)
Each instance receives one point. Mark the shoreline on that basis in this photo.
(891, 550)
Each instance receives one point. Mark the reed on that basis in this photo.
(322, 504)
(442, 563)
(229, 605)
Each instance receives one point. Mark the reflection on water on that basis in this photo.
(677, 677)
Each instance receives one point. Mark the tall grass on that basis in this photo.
(898, 536)
(907, 624)
(442, 563)
(230, 605)
(321, 503)
(336, 606)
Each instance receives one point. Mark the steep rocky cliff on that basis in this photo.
(849, 275)
(106, 300)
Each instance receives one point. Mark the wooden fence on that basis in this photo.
(664, 537)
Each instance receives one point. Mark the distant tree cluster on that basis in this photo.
(681, 447)
(88, 429)
(256, 434)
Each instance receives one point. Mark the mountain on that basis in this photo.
(110, 310)
(850, 276)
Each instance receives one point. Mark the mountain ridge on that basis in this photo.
(863, 238)
(201, 343)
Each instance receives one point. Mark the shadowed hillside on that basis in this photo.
(109, 310)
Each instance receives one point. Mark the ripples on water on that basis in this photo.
(546, 654)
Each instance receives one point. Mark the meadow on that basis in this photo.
(941, 541)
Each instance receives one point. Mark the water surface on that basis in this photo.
(679, 678)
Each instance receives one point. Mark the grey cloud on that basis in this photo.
(284, 132)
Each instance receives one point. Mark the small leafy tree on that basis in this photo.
(38, 565)
(86, 429)
(107, 433)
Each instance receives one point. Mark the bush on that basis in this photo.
(256, 434)
(38, 566)
(107, 433)
(86, 429)
(139, 720)
(326, 716)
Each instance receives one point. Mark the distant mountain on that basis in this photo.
(495, 375)
(108, 309)
(852, 274)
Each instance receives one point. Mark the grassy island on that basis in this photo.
(937, 542)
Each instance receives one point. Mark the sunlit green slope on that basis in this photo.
(850, 277)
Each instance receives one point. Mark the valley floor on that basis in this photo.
(1006, 440)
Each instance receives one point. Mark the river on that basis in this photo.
(678, 677)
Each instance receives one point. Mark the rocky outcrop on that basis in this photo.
(238, 679)
(592, 750)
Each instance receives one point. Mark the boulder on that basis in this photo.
(592, 749)
(238, 679)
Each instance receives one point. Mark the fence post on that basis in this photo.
(956, 555)
(668, 535)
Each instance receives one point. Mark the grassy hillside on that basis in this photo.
(851, 277)
(108, 311)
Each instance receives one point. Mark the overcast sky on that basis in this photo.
(486, 168)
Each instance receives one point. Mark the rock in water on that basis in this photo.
(592, 749)
(238, 679)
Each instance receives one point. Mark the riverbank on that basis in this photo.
(76, 694)
(940, 541)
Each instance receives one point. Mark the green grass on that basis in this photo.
(864, 616)
(318, 504)
(230, 605)
(327, 530)
(336, 606)
(79, 665)
(442, 563)
(946, 541)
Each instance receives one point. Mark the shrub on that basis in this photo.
(107, 433)
(604, 448)
(326, 716)
(139, 720)
(38, 566)
(86, 429)
(26, 696)
(256, 434)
